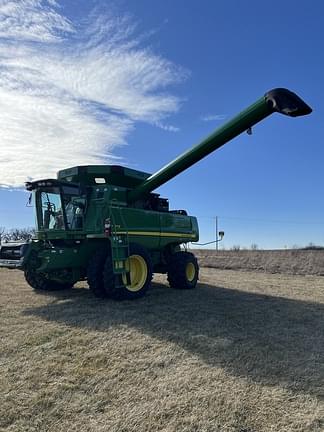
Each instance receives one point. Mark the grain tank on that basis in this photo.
(105, 224)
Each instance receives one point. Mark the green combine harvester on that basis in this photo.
(104, 224)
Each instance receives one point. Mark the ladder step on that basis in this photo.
(119, 265)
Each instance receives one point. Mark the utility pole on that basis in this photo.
(216, 227)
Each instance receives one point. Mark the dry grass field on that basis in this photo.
(244, 352)
(290, 261)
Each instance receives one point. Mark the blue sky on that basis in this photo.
(86, 82)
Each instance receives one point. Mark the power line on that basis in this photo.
(262, 220)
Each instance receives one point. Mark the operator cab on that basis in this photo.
(59, 205)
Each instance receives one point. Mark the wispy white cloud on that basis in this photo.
(167, 127)
(32, 20)
(71, 92)
(213, 117)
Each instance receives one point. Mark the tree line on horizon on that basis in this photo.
(16, 234)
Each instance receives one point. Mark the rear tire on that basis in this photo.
(183, 271)
(95, 274)
(39, 282)
(140, 277)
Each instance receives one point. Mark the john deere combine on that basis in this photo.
(104, 224)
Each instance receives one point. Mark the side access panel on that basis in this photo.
(141, 226)
(176, 228)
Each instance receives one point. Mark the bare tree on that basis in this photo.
(2, 231)
(313, 246)
(17, 234)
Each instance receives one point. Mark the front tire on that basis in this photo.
(183, 270)
(95, 274)
(140, 275)
(39, 282)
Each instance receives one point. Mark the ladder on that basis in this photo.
(119, 245)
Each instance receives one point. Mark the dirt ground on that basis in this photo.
(244, 352)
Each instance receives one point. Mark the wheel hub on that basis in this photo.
(138, 273)
(190, 271)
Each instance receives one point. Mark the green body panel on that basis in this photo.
(112, 206)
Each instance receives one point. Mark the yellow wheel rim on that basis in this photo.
(190, 271)
(138, 273)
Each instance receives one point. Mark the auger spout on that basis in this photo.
(278, 100)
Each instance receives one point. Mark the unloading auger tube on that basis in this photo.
(278, 100)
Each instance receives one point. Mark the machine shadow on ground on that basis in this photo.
(271, 340)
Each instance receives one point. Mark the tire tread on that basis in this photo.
(176, 272)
